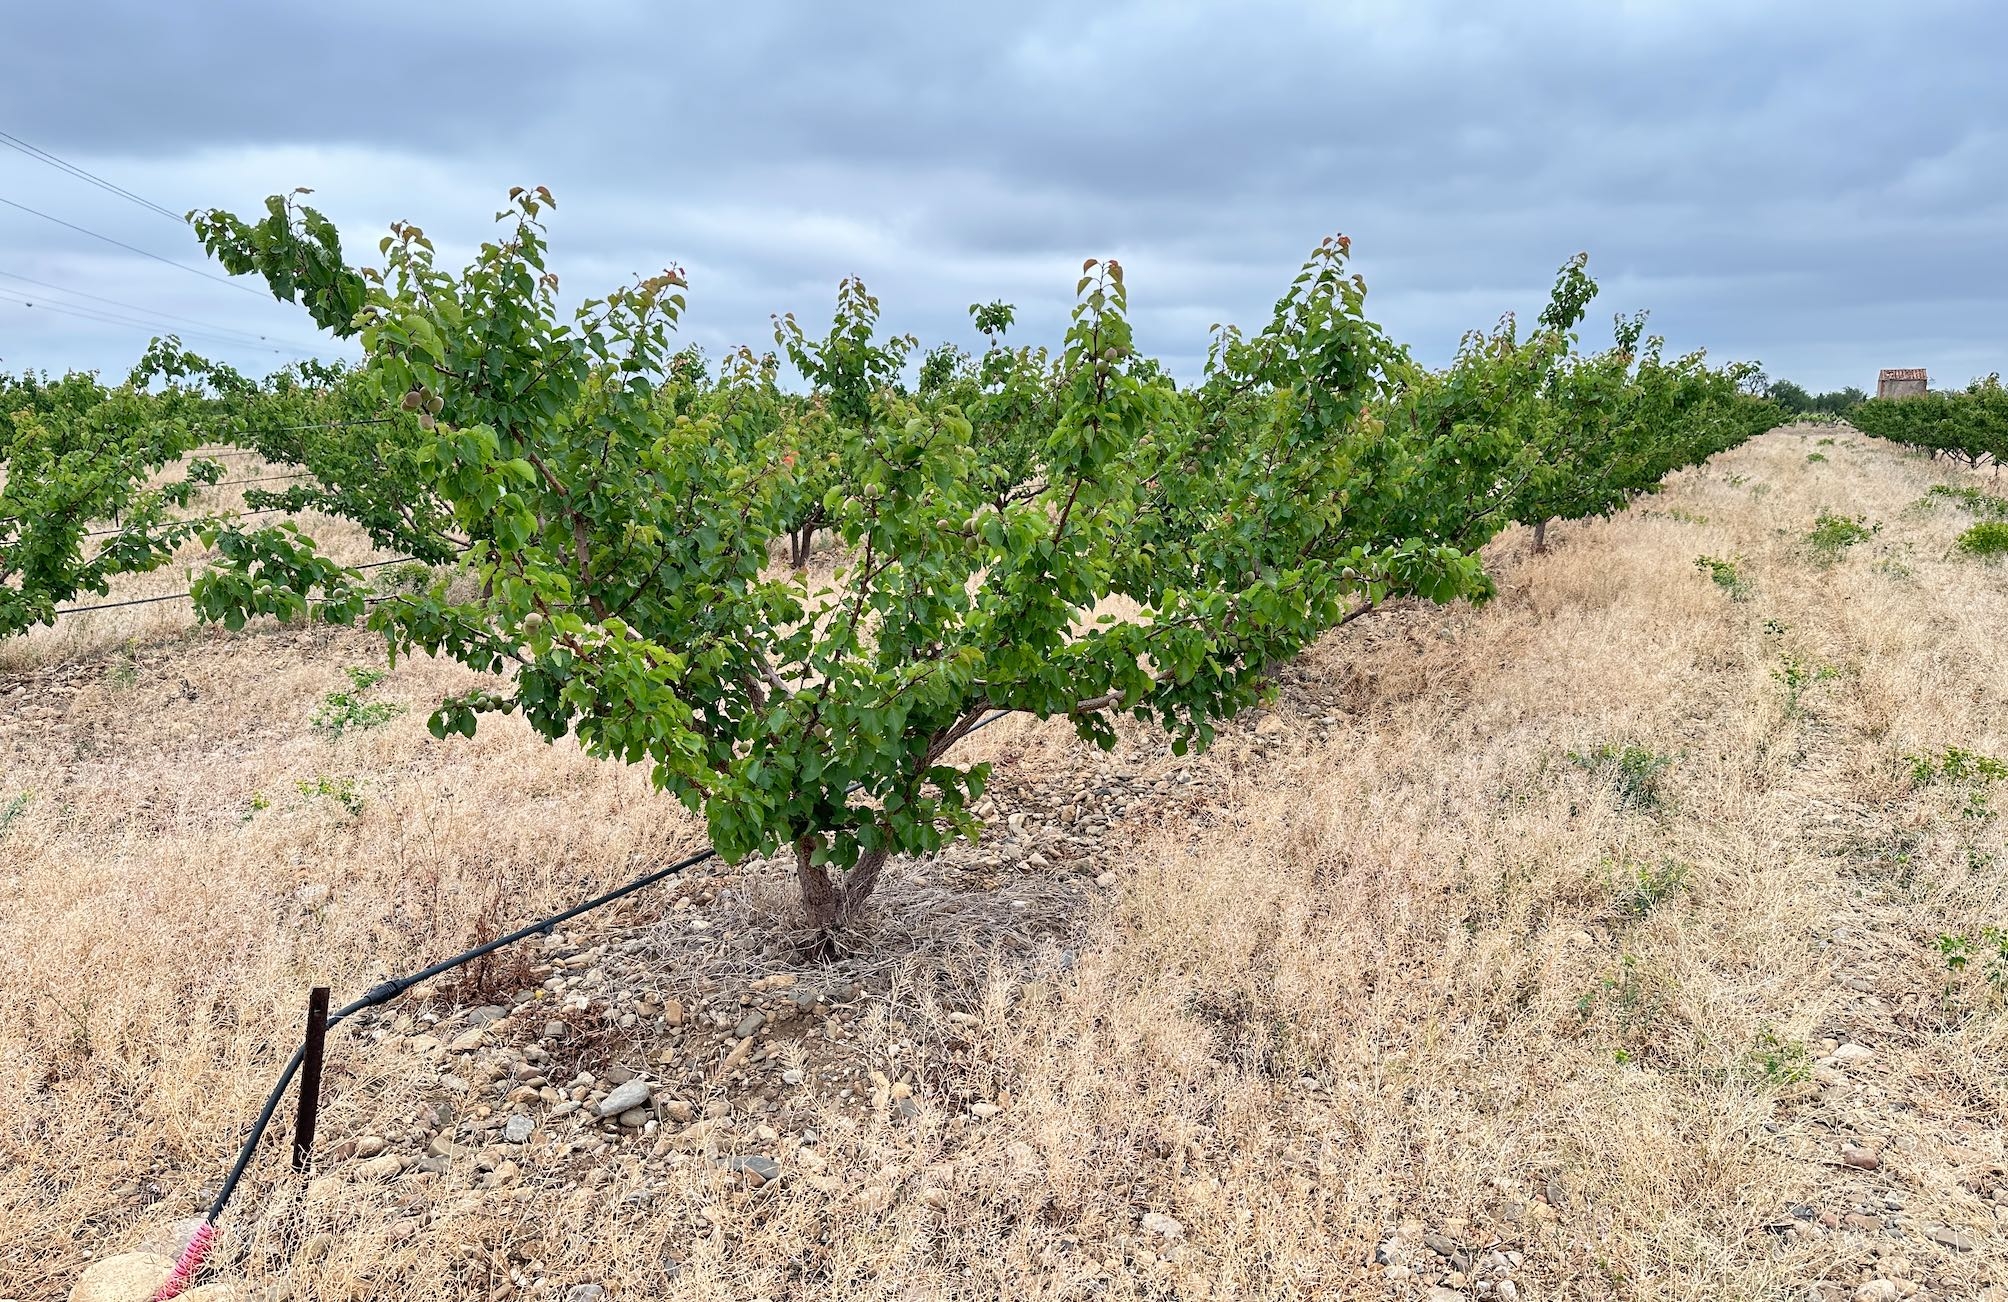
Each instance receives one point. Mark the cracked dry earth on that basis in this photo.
(1584, 945)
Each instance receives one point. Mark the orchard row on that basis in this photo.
(623, 536)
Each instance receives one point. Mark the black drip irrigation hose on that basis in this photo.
(382, 993)
(183, 596)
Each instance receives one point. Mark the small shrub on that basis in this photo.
(1633, 772)
(1816, 456)
(1984, 953)
(340, 790)
(1726, 576)
(341, 711)
(1643, 888)
(1955, 764)
(1958, 765)
(1990, 539)
(1833, 534)
(1827, 442)
(1971, 499)
(1777, 1061)
(1685, 516)
(1635, 1003)
(1797, 677)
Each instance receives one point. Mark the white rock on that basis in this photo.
(128, 1277)
(518, 1129)
(634, 1094)
(1160, 1224)
(1878, 1290)
(1848, 1054)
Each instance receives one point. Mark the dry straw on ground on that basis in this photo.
(1528, 929)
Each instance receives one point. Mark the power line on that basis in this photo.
(107, 318)
(44, 156)
(130, 248)
(241, 515)
(144, 311)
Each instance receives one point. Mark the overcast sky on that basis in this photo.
(1822, 187)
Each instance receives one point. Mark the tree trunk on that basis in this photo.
(827, 903)
(1541, 536)
(799, 544)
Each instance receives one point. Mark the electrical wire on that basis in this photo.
(107, 318)
(41, 155)
(130, 248)
(212, 327)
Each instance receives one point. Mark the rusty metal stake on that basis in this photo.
(310, 1079)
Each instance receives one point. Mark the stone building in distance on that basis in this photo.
(1901, 382)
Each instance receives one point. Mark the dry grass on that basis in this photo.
(1401, 960)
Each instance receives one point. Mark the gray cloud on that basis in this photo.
(1814, 185)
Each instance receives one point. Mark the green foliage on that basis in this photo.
(123, 673)
(1794, 401)
(1831, 535)
(15, 808)
(1969, 426)
(1989, 539)
(1726, 575)
(82, 494)
(1816, 456)
(1611, 426)
(339, 712)
(1641, 888)
(1972, 499)
(614, 511)
(1797, 678)
(1633, 1002)
(1776, 1061)
(340, 790)
(1984, 953)
(1956, 764)
(1633, 772)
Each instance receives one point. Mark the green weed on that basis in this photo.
(1833, 534)
(1983, 953)
(1797, 678)
(340, 790)
(1777, 1061)
(1642, 888)
(123, 673)
(1726, 576)
(341, 711)
(1971, 498)
(1633, 772)
(1990, 539)
(15, 808)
